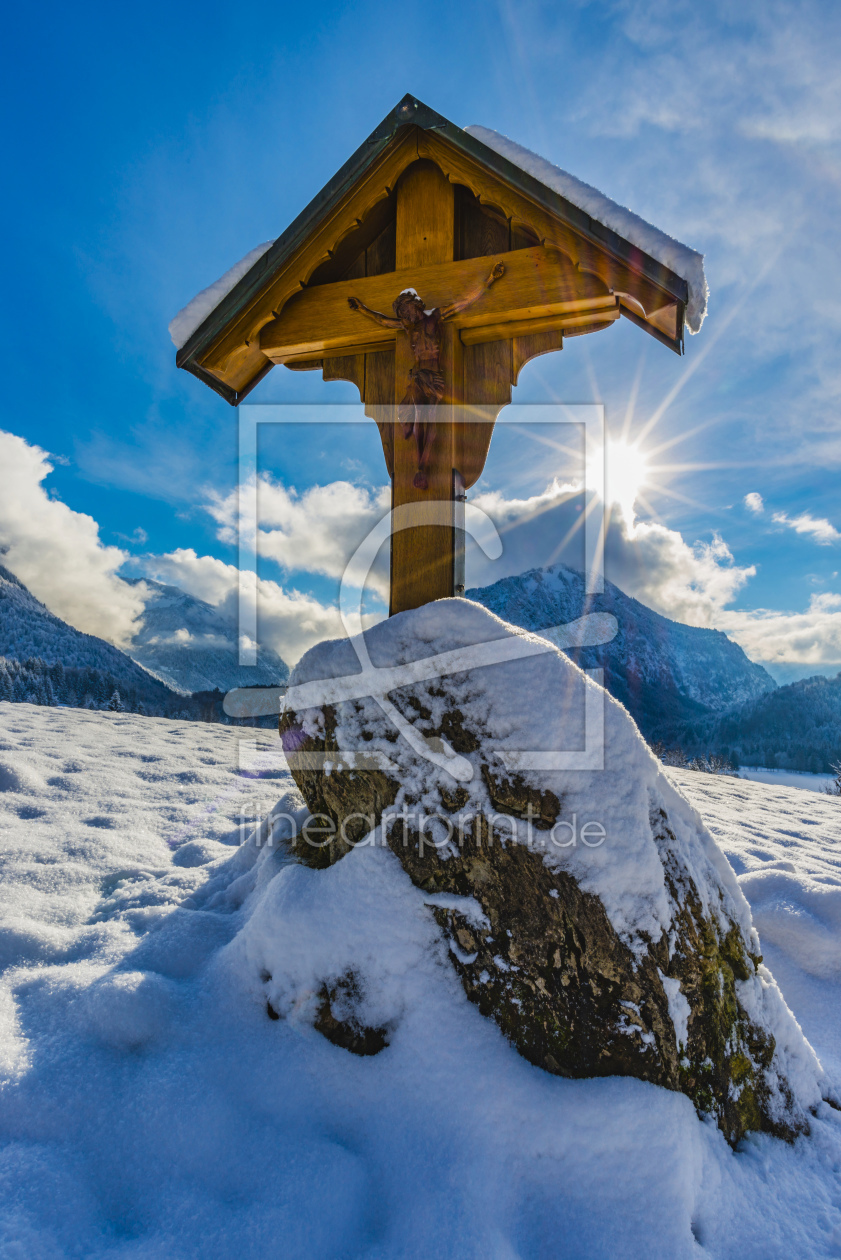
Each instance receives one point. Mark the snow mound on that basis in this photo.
(184, 324)
(540, 702)
(680, 259)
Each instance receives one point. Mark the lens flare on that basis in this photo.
(626, 475)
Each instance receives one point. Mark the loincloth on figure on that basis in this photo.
(426, 389)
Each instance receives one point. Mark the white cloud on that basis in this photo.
(825, 602)
(183, 638)
(812, 637)
(772, 78)
(316, 531)
(287, 621)
(689, 584)
(646, 559)
(693, 584)
(754, 503)
(818, 527)
(57, 552)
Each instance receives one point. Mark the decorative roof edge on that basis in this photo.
(409, 112)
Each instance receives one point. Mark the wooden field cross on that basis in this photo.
(428, 271)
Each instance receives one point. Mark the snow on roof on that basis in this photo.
(185, 323)
(682, 260)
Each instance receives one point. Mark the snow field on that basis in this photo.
(150, 1108)
(538, 700)
(786, 778)
(785, 846)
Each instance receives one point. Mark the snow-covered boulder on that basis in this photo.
(588, 910)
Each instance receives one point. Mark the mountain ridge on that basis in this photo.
(47, 661)
(190, 646)
(669, 676)
(796, 727)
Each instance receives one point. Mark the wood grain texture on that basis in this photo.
(379, 400)
(353, 255)
(530, 347)
(236, 358)
(531, 217)
(480, 230)
(434, 220)
(422, 557)
(487, 389)
(537, 283)
(349, 367)
(236, 353)
(425, 217)
(508, 329)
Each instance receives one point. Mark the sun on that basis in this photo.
(626, 474)
(627, 471)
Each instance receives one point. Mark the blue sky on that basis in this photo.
(148, 149)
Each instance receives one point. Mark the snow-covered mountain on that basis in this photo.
(191, 646)
(28, 629)
(796, 727)
(81, 667)
(673, 678)
(668, 675)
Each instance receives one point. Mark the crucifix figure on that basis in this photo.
(416, 411)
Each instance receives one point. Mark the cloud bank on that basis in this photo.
(695, 584)
(57, 552)
(287, 620)
(59, 555)
(316, 531)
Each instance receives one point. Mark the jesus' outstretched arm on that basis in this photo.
(387, 321)
(473, 294)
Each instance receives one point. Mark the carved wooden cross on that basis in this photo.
(502, 269)
(329, 319)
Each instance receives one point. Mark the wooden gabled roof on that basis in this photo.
(352, 211)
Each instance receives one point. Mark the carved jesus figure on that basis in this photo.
(416, 412)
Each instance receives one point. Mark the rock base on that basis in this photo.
(540, 926)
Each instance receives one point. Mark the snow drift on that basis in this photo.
(150, 1107)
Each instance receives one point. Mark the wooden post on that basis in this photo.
(422, 557)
